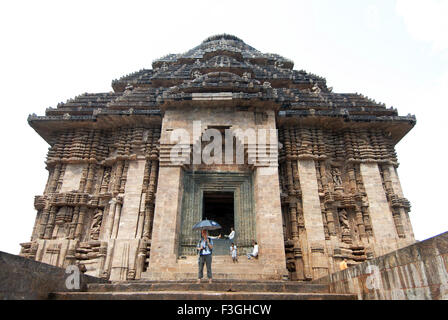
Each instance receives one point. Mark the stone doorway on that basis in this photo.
(212, 195)
(219, 207)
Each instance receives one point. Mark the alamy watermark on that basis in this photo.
(373, 281)
(73, 281)
(223, 145)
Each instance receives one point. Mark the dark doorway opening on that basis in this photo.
(219, 206)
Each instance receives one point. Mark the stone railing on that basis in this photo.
(416, 272)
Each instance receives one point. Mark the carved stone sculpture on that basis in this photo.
(96, 225)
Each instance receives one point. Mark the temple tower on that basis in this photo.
(226, 132)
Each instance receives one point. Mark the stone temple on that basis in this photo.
(316, 180)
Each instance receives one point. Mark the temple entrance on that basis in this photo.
(219, 207)
(224, 197)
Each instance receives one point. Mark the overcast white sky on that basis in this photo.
(395, 51)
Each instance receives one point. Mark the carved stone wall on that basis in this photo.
(329, 192)
(101, 187)
(340, 198)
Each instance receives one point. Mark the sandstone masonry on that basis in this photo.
(120, 202)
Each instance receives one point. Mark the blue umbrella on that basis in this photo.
(206, 225)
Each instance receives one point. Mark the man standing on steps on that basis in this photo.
(205, 249)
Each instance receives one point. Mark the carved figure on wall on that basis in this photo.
(336, 174)
(96, 225)
(131, 274)
(344, 220)
(107, 176)
(345, 228)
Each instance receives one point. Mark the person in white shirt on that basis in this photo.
(231, 235)
(254, 252)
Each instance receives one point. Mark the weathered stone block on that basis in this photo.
(25, 279)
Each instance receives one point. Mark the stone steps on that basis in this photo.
(237, 275)
(220, 286)
(222, 268)
(190, 290)
(202, 295)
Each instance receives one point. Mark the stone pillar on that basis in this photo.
(166, 226)
(396, 185)
(124, 259)
(109, 220)
(141, 257)
(102, 258)
(80, 223)
(123, 224)
(117, 217)
(312, 215)
(381, 218)
(127, 228)
(269, 223)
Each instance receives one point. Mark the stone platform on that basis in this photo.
(218, 290)
(222, 268)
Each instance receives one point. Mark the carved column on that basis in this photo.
(141, 257)
(117, 216)
(50, 225)
(44, 220)
(304, 245)
(110, 219)
(80, 223)
(409, 233)
(90, 176)
(269, 220)
(55, 177)
(298, 254)
(313, 217)
(380, 214)
(328, 208)
(118, 174)
(150, 197)
(102, 258)
(74, 223)
(167, 219)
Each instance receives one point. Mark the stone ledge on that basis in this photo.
(25, 279)
(207, 295)
(416, 272)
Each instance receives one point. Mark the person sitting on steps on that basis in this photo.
(231, 235)
(254, 253)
